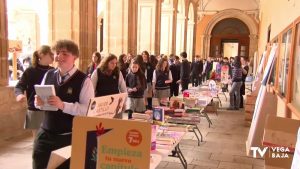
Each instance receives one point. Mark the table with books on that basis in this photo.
(195, 103)
(167, 142)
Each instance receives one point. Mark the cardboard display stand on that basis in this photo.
(110, 143)
(266, 103)
(296, 159)
(280, 135)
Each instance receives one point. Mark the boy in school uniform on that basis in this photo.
(185, 71)
(73, 91)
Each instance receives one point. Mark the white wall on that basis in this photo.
(190, 33)
(115, 33)
(227, 4)
(180, 27)
(166, 27)
(279, 14)
(146, 26)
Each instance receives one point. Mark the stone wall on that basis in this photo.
(12, 114)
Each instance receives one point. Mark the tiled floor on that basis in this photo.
(223, 147)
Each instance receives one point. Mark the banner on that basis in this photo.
(110, 143)
(110, 106)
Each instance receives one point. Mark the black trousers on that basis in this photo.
(174, 89)
(196, 80)
(44, 144)
(184, 84)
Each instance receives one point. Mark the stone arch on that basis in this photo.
(231, 13)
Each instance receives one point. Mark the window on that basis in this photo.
(296, 79)
(284, 61)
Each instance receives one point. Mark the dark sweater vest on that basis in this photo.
(150, 70)
(57, 122)
(106, 85)
(131, 82)
(161, 77)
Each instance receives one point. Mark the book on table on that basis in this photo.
(158, 114)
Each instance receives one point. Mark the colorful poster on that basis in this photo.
(224, 74)
(110, 106)
(110, 143)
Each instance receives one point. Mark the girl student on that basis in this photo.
(149, 68)
(136, 85)
(42, 58)
(107, 79)
(96, 59)
(162, 77)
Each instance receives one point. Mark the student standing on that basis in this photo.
(122, 65)
(236, 84)
(185, 70)
(108, 79)
(136, 84)
(162, 77)
(33, 75)
(175, 70)
(73, 92)
(245, 69)
(96, 59)
(149, 68)
(196, 70)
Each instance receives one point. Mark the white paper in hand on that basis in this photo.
(45, 91)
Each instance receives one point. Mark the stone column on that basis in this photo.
(132, 26)
(175, 4)
(166, 27)
(75, 20)
(87, 31)
(157, 27)
(3, 44)
(115, 36)
(253, 45)
(205, 39)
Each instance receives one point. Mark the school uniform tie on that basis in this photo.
(63, 78)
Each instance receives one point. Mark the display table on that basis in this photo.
(61, 155)
(163, 151)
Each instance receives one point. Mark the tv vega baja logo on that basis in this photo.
(274, 152)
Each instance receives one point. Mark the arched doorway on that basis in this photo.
(190, 32)
(251, 24)
(229, 38)
(180, 27)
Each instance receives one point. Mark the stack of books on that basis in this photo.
(141, 117)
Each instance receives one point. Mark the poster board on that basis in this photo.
(110, 106)
(110, 143)
(225, 74)
(266, 103)
(296, 159)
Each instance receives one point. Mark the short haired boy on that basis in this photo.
(185, 71)
(73, 92)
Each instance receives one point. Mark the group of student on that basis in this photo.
(237, 70)
(142, 77)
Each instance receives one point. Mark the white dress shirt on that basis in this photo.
(121, 83)
(86, 93)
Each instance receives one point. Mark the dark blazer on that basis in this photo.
(185, 70)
